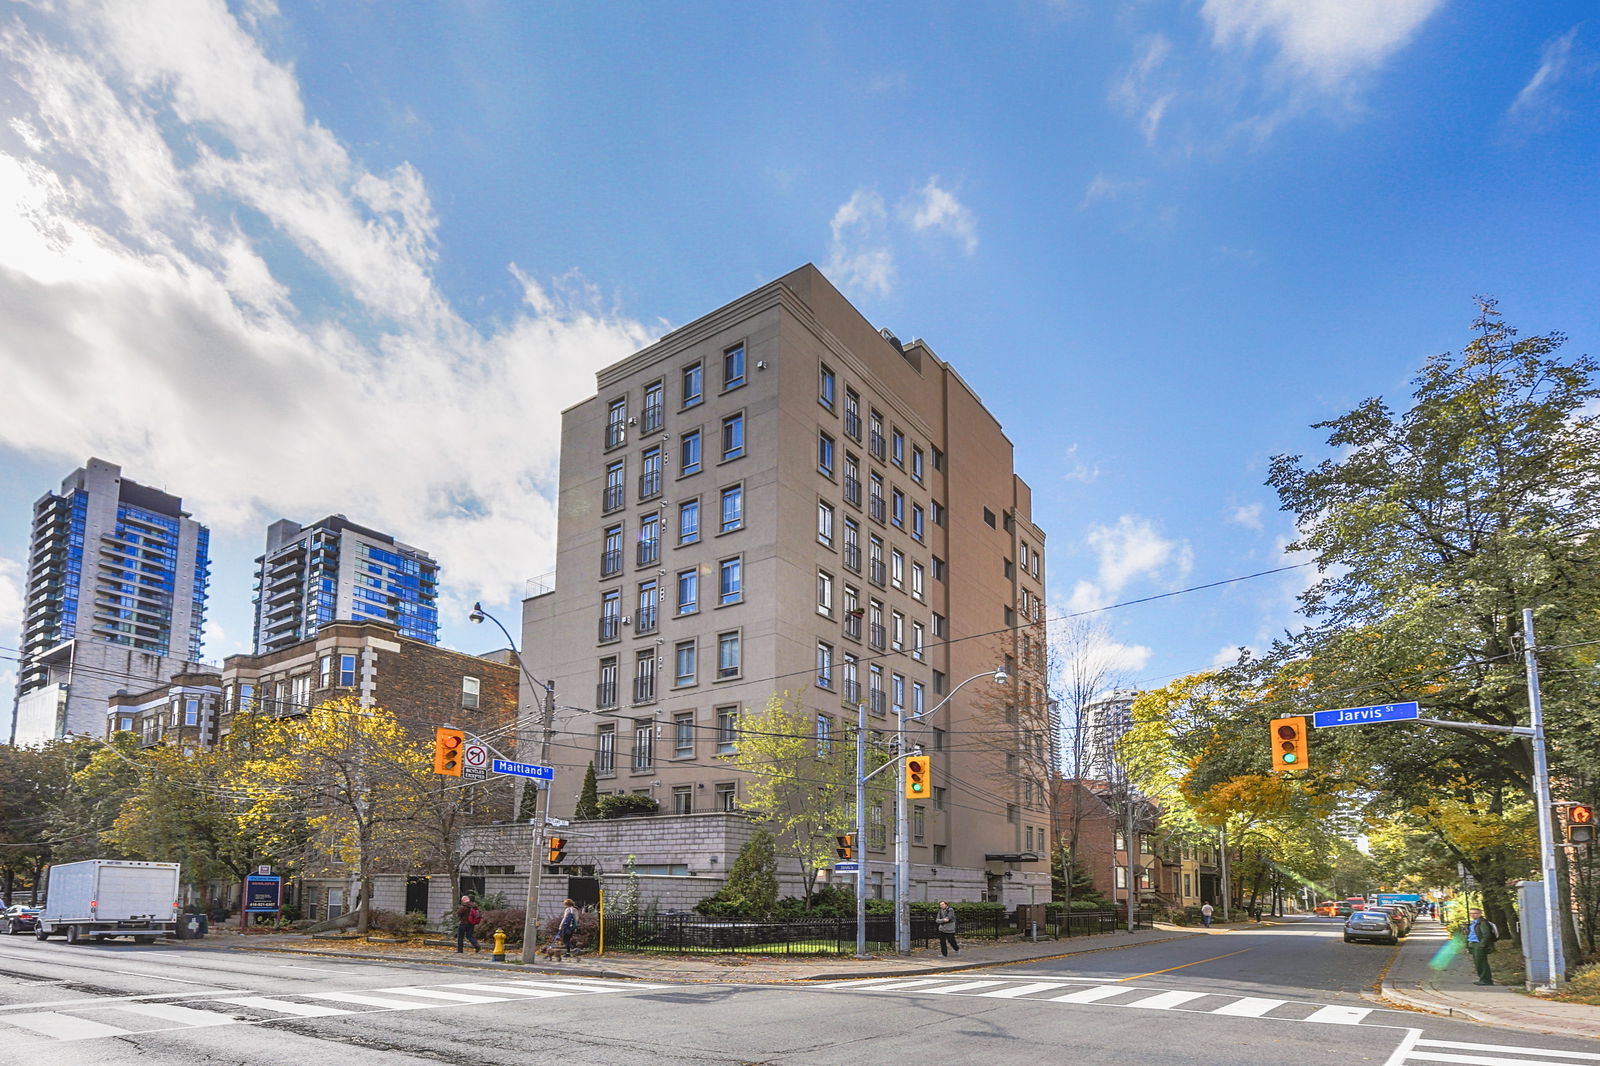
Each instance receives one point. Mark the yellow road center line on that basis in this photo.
(1196, 962)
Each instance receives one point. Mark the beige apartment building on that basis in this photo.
(780, 497)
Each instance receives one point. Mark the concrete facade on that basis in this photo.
(858, 536)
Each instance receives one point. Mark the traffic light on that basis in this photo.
(1289, 748)
(919, 777)
(558, 848)
(1580, 824)
(447, 745)
(847, 845)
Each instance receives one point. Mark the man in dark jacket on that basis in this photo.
(944, 922)
(1481, 935)
(467, 918)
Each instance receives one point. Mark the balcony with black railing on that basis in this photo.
(611, 562)
(610, 627)
(652, 418)
(616, 434)
(852, 490)
(852, 424)
(876, 509)
(605, 695)
(646, 620)
(876, 572)
(876, 703)
(877, 636)
(649, 551)
(875, 445)
(852, 625)
(649, 484)
(613, 499)
(644, 688)
(852, 692)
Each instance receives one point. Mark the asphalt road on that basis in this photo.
(1285, 994)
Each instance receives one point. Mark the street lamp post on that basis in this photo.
(530, 917)
(902, 842)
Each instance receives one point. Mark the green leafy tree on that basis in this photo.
(751, 890)
(588, 807)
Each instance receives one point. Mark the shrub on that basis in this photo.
(751, 890)
(383, 921)
(511, 919)
(623, 806)
(830, 901)
(1585, 982)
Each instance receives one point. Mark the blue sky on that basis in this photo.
(286, 260)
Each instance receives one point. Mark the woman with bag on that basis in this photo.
(945, 923)
(569, 926)
(467, 918)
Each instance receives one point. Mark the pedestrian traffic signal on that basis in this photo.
(919, 777)
(447, 745)
(847, 845)
(1289, 748)
(1580, 824)
(558, 848)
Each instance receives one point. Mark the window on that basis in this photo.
(916, 464)
(897, 692)
(683, 734)
(938, 460)
(875, 701)
(917, 525)
(733, 436)
(605, 751)
(469, 693)
(733, 367)
(824, 664)
(683, 663)
(325, 671)
(1011, 813)
(645, 619)
(1009, 569)
(726, 797)
(825, 386)
(852, 612)
(730, 581)
(938, 512)
(824, 734)
(918, 821)
(897, 508)
(727, 731)
(919, 697)
(689, 590)
(611, 554)
(644, 748)
(650, 474)
(852, 414)
(682, 799)
(852, 480)
(938, 568)
(347, 671)
(654, 413)
(644, 676)
(825, 455)
(897, 630)
(918, 581)
(897, 448)
(875, 506)
(649, 550)
(610, 614)
(730, 658)
(938, 682)
(938, 624)
(1027, 837)
(614, 493)
(1007, 522)
(824, 593)
(875, 631)
(852, 545)
(694, 384)
(918, 640)
(689, 453)
(988, 518)
(897, 568)
(605, 691)
(191, 712)
(616, 423)
(732, 508)
(852, 685)
(875, 435)
(825, 523)
(938, 734)
(688, 522)
(875, 568)
(938, 798)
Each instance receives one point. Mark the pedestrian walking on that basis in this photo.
(945, 923)
(1481, 935)
(1206, 910)
(569, 926)
(467, 918)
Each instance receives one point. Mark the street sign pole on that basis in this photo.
(1541, 795)
(861, 829)
(530, 911)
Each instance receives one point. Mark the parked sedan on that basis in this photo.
(1402, 917)
(1328, 909)
(20, 919)
(1371, 925)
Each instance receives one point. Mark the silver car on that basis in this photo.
(1371, 925)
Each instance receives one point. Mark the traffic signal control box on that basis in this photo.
(447, 745)
(919, 777)
(1290, 749)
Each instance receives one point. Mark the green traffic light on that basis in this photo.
(1289, 756)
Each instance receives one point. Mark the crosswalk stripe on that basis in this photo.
(597, 983)
(575, 987)
(1340, 1015)
(1089, 995)
(895, 985)
(435, 993)
(63, 1026)
(516, 990)
(167, 1012)
(1589, 1056)
(1479, 1060)
(965, 986)
(1020, 990)
(1165, 1000)
(285, 1006)
(1249, 1007)
(367, 1000)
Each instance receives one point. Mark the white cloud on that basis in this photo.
(1105, 187)
(1321, 42)
(1075, 469)
(935, 208)
(1537, 103)
(1248, 516)
(1228, 655)
(859, 255)
(1143, 91)
(200, 282)
(1132, 549)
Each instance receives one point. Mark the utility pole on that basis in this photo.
(861, 829)
(1227, 886)
(530, 914)
(902, 848)
(1541, 794)
(1127, 840)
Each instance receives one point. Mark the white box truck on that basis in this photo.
(110, 897)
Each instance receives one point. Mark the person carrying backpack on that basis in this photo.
(569, 926)
(1481, 935)
(467, 918)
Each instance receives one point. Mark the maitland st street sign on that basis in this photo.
(1383, 712)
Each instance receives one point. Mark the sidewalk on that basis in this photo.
(734, 969)
(1432, 973)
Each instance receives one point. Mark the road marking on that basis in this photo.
(893, 985)
(1250, 1007)
(1482, 1060)
(109, 1000)
(1404, 1048)
(158, 977)
(1585, 1055)
(368, 1000)
(1020, 990)
(435, 993)
(1186, 965)
(1089, 995)
(965, 986)
(168, 1012)
(590, 984)
(285, 1006)
(64, 1026)
(516, 990)
(1340, 1015)
(1166, 1000)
